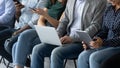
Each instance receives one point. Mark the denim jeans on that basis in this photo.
(24, 45)
(57, 54)
(94, 58)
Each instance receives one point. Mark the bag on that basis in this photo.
(9, 43)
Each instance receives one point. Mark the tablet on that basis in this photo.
(85, 37)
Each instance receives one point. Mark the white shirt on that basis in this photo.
(79, 6)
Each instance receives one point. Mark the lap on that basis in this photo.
(46, 49)
(28, 34)
(106, 53)
(100, 54)
(69, 50)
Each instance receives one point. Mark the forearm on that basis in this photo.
(112, 42)
(102, 34)
(52, 21)
(45, 16)
(24, 28)
(41, 21)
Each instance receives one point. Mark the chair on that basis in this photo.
(74, 60)
(4, 55)
(3, 60)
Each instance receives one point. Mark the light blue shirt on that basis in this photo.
(35, 16)
(23, 2)
(7, 12)
(27, 16)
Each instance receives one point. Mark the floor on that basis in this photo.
(4, 63)
(69, 64)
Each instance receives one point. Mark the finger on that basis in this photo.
(33, 11)
(83, 42)
(85, 47)
(92, 43)
(15, 33)
(62, 39)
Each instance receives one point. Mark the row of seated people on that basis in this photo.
(7, 20)
(69, 34)
(54, 8)
(50, 11)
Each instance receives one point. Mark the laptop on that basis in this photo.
(48, 35)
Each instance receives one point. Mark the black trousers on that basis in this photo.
(5, 33)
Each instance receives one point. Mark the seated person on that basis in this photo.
(49, 16)
(26, 20)
(23, 20)
(107, 42)
(7, 13)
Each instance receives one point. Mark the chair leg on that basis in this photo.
(1, 59)
(75, 63)
(8, 65)
(65, 63)
(4, 62)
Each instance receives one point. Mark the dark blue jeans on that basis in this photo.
(5, 32)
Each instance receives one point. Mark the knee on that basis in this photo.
(83, 56)
(94, 57)
(56, 53)
(38, 49)
(35, 50)
(23, 34)
(28, 33)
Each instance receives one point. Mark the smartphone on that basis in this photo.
(32, 9)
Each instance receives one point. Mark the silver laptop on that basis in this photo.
(48, 35)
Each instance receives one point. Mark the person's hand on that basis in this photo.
(40, 11)
(65, 39)
(85, 45)
(18, 8)
(16, 32)
(19, 5)
(96, 43)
